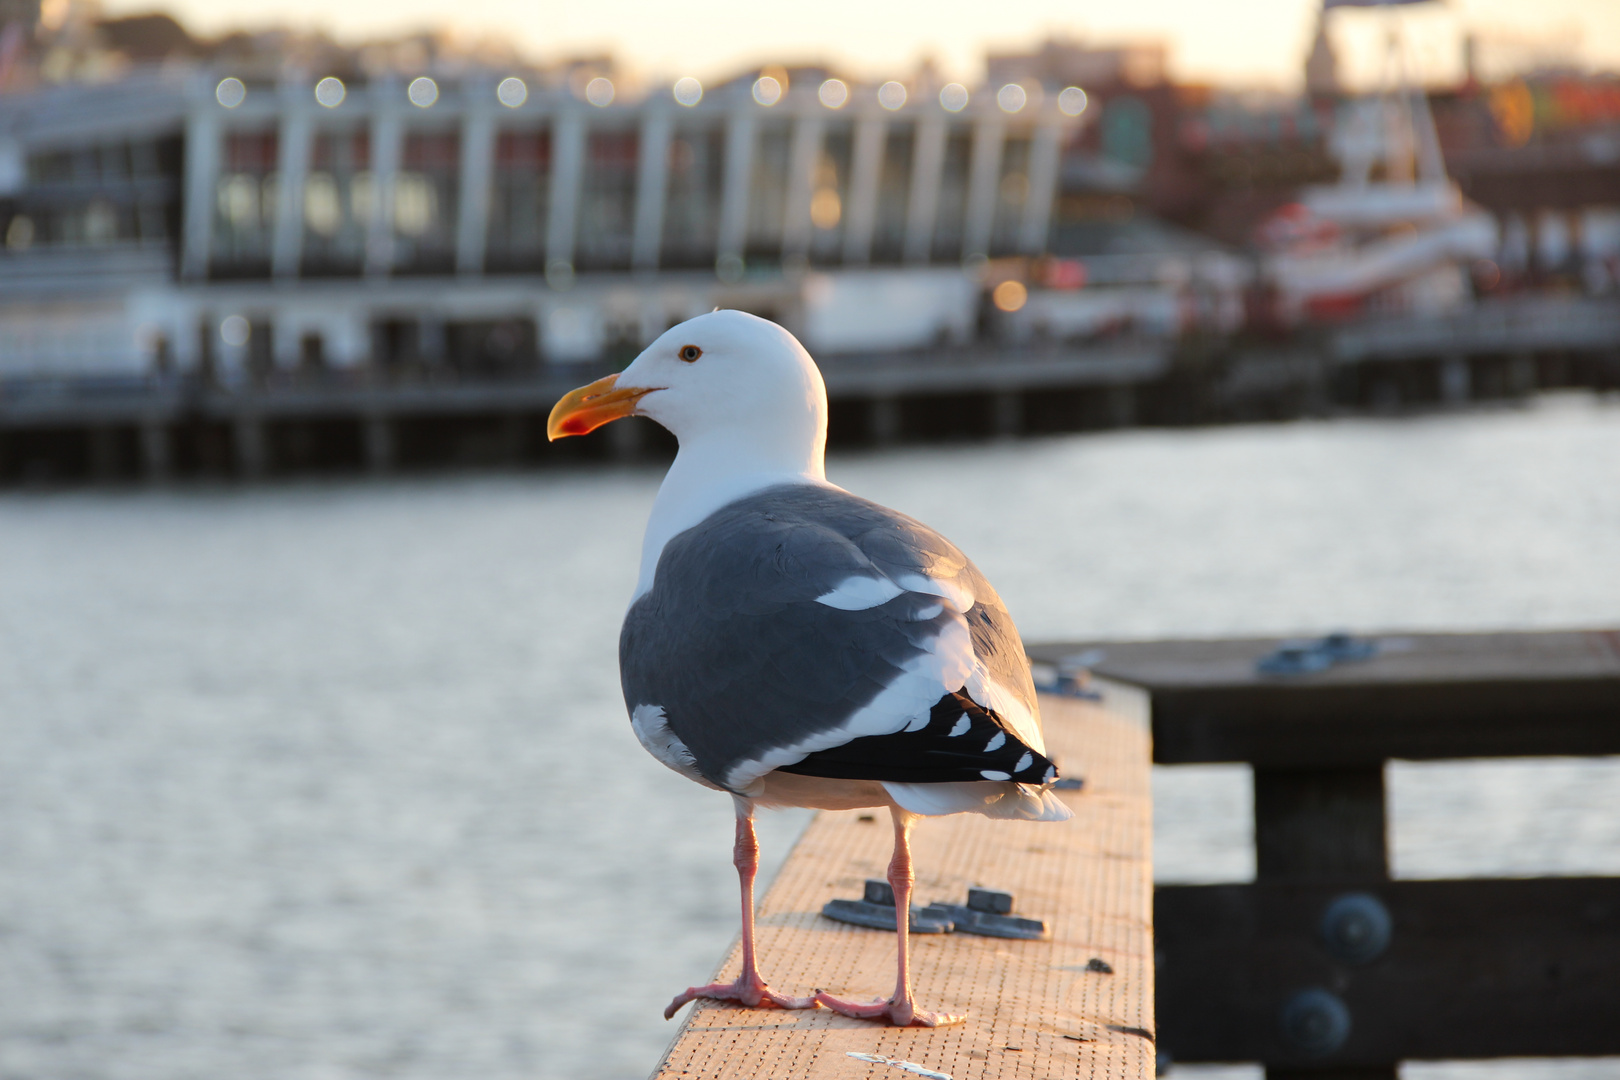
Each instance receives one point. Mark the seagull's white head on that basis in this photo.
(726, 379)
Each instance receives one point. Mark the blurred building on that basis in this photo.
(1541, 151)
(479, 220)
(193, 220)
(203, 218)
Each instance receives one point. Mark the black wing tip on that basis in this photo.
(941, 752)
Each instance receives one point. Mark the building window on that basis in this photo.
(123, 192)
(245, 200)
(492, 347)
(520, 197)
(337, 203)
(1012, 195)
(950, 216)
(1127, 132)
(829, 194)
(767, 193)
(894, 194)
(425, 191)
(607, 201)
(692, 206)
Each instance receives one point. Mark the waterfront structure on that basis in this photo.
(200, 222)
(223, 266)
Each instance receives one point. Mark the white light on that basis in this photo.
(234, 331)
(767, 91)
(230, 92)
(833, 93)
(330, 92)
(599, 92)
(688, 91)
(1072, 101)
(512, 92)
(423, 92)
(891, 95)
(953, 97)
(1011, 97)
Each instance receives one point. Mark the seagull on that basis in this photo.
(792, 644)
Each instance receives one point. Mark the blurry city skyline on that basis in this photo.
(1260, 43)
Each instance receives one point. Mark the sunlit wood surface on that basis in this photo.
(1034, 1009)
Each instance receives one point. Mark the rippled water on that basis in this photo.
(333, 780)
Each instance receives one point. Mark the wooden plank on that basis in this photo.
(1423, 696)
(1034, 1010)
(1473, 969)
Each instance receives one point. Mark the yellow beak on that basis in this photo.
(588, 408)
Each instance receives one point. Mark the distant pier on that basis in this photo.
(431, 416)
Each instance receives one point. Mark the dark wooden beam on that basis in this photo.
(1471, 969)
(1315, 825)
(1421, 697)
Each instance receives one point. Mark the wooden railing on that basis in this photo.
(1324, 966)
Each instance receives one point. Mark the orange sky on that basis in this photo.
(1252, 41)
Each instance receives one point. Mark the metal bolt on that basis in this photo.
(1314, 1023)
(1356, 928)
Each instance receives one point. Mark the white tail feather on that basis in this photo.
(991, 798)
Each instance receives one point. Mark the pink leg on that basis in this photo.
(901, 1009)
(749, 989)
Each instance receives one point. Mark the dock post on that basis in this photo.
(379, 443)
(103, 453)
(1121, 405)
(252, 450)
(157, 455)
(1007, 414)
(514, 438)
(1456, 381)
(1521, 374)
(883, 420)
(1319, 823)
(1315, 825)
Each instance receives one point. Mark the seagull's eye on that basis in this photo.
(689, 353)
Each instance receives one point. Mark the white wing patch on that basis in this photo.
(952, 590)
(653, 731)
(859, 593)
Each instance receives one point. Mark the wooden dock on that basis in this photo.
(1324, 966)
(1036, 1009)
(379, 419)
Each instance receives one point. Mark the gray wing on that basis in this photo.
(805, 627)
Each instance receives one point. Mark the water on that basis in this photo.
(333, 781)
